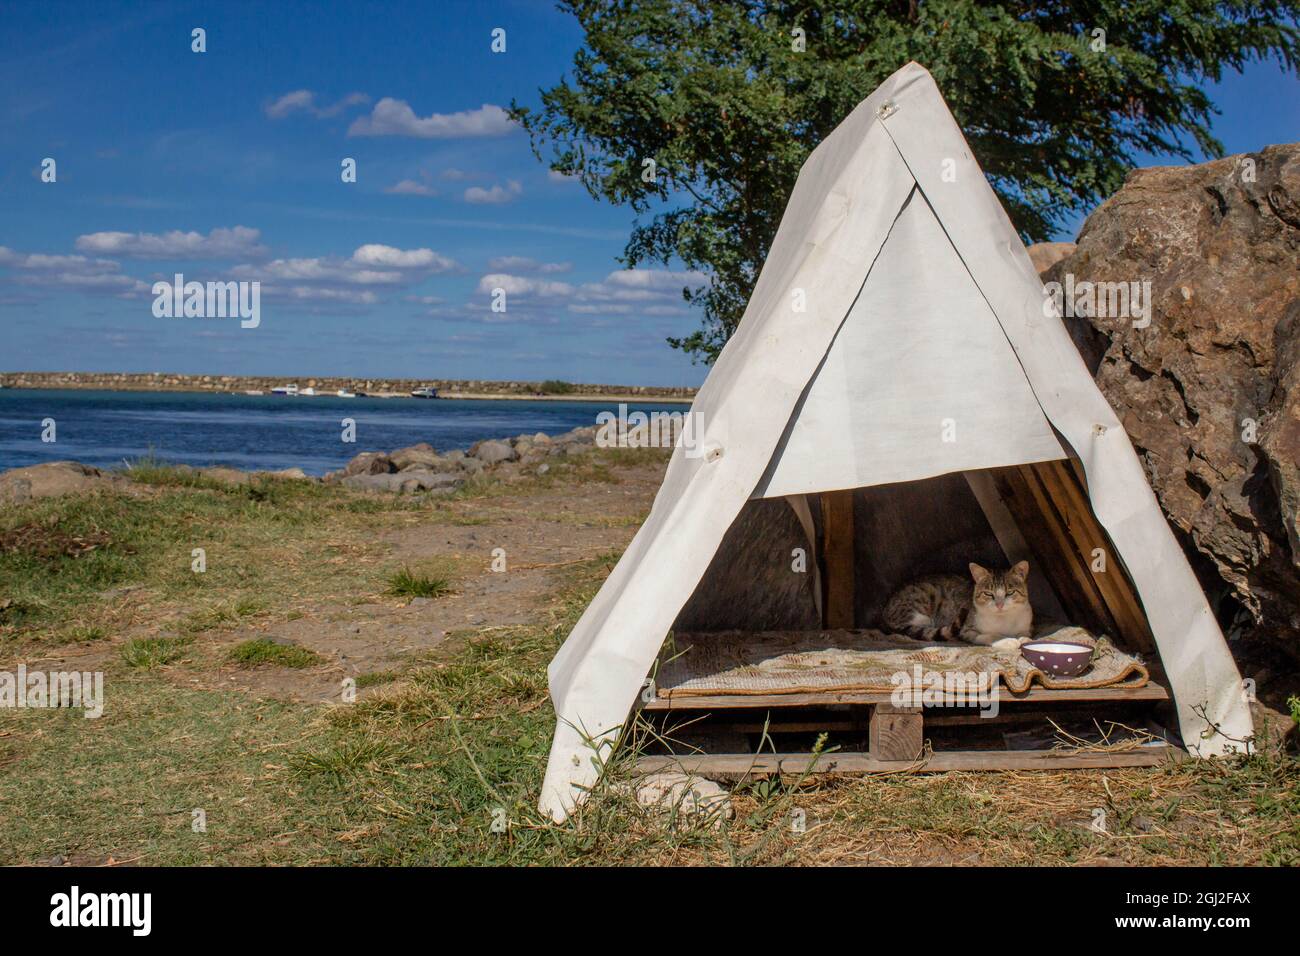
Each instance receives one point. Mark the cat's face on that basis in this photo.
(1001, 590)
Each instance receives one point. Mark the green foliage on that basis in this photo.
(1293, 703)
(407, 583)
(553, 386)
(151, 652)
(265, 651)
(729, 110)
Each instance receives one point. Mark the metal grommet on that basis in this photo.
(887, 109)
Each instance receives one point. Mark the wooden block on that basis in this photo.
(896, 733)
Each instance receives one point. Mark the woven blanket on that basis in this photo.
(789, 662)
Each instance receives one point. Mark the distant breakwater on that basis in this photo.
(449, 388)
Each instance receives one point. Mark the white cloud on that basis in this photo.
(236, 242)
(43, 272)
(655, 291)
(658, 279)
(41, 261)
(495, 194)
(351, 281)
(320, 269)
(305, 293)
(533, 298)
(527, 264)
(305, 101)
(523, 286)
(102, 284)
(375, 254)
(392, 117)
(555, 176)
(409, 187)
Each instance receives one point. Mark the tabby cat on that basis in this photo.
(944, 607)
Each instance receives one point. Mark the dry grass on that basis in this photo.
(420, 767)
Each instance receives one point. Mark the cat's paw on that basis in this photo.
(1009, 643)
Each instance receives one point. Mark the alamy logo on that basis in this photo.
(209, 300)
(922, 688)
(63, 689)
(654, 430)
(1099, 300)
(103, 909)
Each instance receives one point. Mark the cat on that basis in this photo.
(944, 607)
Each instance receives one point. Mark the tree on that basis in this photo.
(728, 99)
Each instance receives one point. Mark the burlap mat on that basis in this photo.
(791, 662)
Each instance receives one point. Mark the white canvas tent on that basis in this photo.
(922, 312)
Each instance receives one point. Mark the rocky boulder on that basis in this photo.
(369, 463)
(414, 456)
(409, 482)
(1209, 390)
(492, 452)
(52, 479)
(1044, 255)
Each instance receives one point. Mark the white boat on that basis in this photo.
(285, 390)
(344, 393)
(308, 391)
(424, 392)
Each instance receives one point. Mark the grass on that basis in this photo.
(261, 650)
(416, 771)
(269, 546)
(419, 767)
(151, 652)
(407, 583)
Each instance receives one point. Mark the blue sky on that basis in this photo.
(226, 165)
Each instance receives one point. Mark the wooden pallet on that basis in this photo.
(896, 736)
(741, 766)
(1151, 691)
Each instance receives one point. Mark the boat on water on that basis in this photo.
(424, 392)
(285, 390)
(308, 391)
(344, 393)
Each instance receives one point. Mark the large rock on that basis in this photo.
(413, 455)
(1044, 255)
(687, 798)
(369, 463)
(405, 481)
(51, 480)
(1209, 391)
(493, 452)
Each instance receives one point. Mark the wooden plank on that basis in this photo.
(744, 765)
(1116, 590)
(837, 553)
(1150, 691)
(1066, 547)
(896, 733)
(1055, 550)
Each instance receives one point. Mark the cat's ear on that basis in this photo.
(978, 573)
(1020, 569)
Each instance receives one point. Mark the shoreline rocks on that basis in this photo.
(421, 468)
